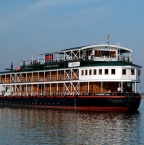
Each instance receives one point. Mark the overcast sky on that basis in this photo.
(29, 27)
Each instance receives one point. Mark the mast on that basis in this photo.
(108, 38)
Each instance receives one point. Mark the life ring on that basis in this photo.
(129, 84)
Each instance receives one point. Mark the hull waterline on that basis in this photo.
(80, 103)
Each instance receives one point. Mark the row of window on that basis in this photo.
(133, 72)
(106, 72)
(97, 71)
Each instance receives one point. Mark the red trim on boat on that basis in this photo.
(40, 97)
(138, 97)
(59, 96)
(80, 108)
(17, 97)
(9, 96)
(25, 97)
(104, 97)
(2, 96)
(70, 97)
(49, 97)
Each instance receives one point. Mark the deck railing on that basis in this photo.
(47, 79)
(62, 93)
(88, 58)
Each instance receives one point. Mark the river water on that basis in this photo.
(22, 126)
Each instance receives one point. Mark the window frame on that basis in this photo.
(124, 71)
(94, 71)
(112, 71)
(139, 72)
(86, 72)
(82, 72)
(90, 72)
(132, 71)
(99, 71)
(107, 71)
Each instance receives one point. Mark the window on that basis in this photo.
(85, 72)
(123, 71)
(100, 71)
(82, 72)
(132, 72)
(94, 72)
(113, 71)
(90, 72)
(139, 72)
(106, 71)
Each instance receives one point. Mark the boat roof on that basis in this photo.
(111, 63)
(100, 46)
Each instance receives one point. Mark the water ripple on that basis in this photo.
(43, 127)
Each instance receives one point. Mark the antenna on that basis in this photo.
(12, 65)
(108, 38)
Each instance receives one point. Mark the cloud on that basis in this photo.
(47, 3)
(36, 12)
(19, 16)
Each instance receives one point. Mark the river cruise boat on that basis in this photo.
(94, 78)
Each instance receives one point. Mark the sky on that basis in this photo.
(30, 27)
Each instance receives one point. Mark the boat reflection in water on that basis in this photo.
(34, 126)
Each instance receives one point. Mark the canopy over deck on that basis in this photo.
(101, 46)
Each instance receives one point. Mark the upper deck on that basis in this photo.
(90, 53)
(102, 52)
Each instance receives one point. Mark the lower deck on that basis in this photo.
(68, 88)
